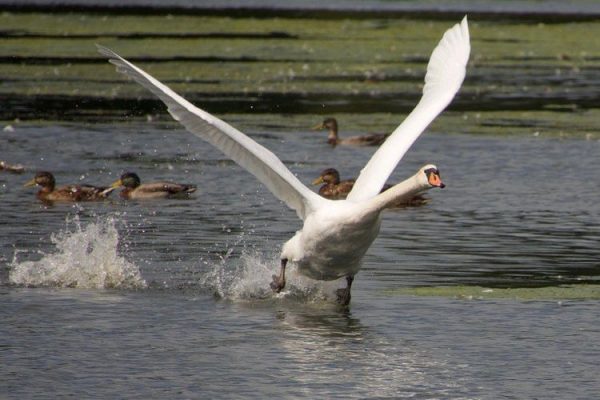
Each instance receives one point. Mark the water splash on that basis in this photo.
(85, 257)
(249, 278)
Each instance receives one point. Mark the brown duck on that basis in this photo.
(73, 193)
(335, 189)
(135, 190)
(332, 187)
(14, 168)
(331, 125)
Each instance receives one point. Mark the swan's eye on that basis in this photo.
(430, 171)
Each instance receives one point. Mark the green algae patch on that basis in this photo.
(522, 78)
(556, 293)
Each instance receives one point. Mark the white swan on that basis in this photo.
(336, 233)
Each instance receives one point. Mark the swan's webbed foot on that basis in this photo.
(279, 280)
(343, 295)
(278, 283)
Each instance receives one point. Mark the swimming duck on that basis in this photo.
(336, 234)
(135, 190)
(335, 189)
(14, 168)
(49, 192)
(331, 125)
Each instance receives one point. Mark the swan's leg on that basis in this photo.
(279, 281)
(343, 295)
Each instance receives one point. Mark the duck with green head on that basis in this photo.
(134, 189)
(70, 193)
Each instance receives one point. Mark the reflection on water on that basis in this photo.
(312, 343)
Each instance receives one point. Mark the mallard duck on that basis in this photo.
(336, 234)
(49, 192)
(330, 124)
(135, 190)
(335, 189)
(14, 168)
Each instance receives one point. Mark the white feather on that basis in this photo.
(253, 157)
(445, 73)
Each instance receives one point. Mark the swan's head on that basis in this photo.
(429, 176)
(128, 179)
(329, 175)
(43, 178)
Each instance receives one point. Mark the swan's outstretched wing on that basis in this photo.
(445, 73)
(250, 155)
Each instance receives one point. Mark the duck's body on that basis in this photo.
(135, 190)
(68, 193)
(417, 200)
(14, 168)
(336, 233)
(333, 188)
(331, 125)
(336, 191)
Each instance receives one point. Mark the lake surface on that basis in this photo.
(488, 291)
(189, 313)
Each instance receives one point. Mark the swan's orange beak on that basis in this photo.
(435, 180)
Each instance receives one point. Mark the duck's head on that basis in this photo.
(128, 180)
(329, 175)
(429, 175)
(43, 178)
(328, 123)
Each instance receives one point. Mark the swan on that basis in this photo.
(335, 234)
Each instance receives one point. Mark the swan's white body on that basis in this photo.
(336, 233)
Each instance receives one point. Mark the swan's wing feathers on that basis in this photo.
(447, 65)
(250, 155)
(445, 74)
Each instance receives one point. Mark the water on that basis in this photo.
(200, 321)
(85, 257)
(489, 291)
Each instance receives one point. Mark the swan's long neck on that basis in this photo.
(404, 190)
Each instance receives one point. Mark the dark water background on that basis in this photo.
(170, 299)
